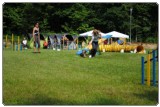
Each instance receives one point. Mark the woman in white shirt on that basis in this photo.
(94, 41)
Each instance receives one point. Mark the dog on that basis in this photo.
(93, 52)
(83, 54)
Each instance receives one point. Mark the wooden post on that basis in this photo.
(12, 41)
(154, 68)
(77, 42)
(18, 43)
(148, 69)
(6, 40)
(67, 45)
(20, 47)
(108, 41)
(18, 39)
(63, 42)
(124, 41)
(111, 40)
(142, 69)
(16, 47)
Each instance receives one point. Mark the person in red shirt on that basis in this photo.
(106, 42)
(45, 45)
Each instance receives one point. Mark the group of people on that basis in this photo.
(36, 36)
(94, 41)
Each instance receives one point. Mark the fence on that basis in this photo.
(148, 62)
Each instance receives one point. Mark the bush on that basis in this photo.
(151, 40)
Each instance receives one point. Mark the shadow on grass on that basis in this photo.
(40, 99)
(151, 95)
(103, 101)
(44, 100)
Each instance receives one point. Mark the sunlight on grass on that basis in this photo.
(63, 78)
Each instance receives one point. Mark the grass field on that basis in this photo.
(63, 78)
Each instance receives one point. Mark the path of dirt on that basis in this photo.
(147, 45)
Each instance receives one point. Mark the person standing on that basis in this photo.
(36, 36)
(24, 43)
(94, 41)
(45, 45)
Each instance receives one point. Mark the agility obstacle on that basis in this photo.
(17, 46)
(148, 73)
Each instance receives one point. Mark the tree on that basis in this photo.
(76, 18)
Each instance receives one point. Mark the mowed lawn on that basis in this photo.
(63, 78)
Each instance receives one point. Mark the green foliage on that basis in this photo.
(151, 40)
(84, 27)
(12, 19)
(44, 24)
(77, 18)
(77, 14)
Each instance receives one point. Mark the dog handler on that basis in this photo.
(94, 41)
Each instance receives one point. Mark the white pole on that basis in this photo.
(130, 24)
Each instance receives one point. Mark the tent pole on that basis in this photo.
(67, 45)
(111, 40)
(77, 43)
(108, 41)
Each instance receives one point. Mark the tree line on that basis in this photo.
(75, 18)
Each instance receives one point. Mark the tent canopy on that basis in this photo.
(116, 34)
(82, 38)
(69, 37)
(57, 36)
(106, 36)
(75, 37)
(89, 33)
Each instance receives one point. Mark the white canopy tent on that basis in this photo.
(117, 35)
(89, 33)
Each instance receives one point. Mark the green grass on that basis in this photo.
(63, 78)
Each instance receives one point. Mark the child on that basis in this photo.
(45, 45)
